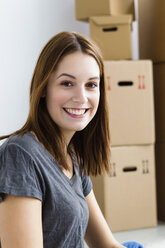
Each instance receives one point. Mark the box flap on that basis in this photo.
(106, 20)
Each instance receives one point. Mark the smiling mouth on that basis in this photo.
(77, 112)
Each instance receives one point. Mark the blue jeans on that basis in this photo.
(132, 244)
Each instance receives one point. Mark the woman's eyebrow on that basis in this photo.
(93, 78)
(73, 77)
(66, 74)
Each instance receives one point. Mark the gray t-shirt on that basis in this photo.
(27, 169)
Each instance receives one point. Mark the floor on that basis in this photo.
(150, 237)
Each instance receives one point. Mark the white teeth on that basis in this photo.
(75, 111)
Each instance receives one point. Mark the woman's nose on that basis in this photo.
(80, 95)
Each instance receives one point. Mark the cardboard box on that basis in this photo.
(112, 35)
(88, 8)
(127, 198)
(159, 92)
(151, 29)
(131, 104)
(160, 176)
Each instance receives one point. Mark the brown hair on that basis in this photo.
(91, 145)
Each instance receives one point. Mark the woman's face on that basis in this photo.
(73, 93)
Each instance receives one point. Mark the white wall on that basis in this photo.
(25, 27)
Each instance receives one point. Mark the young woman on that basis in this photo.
(46, 196)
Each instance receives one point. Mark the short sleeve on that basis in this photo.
(17, 174)
(86, 184)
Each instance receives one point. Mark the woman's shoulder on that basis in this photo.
(18, 169)
(23, 142)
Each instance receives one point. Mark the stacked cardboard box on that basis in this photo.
(152, 46)
(110, 21)
(130, 95)
(151, 30)
(159, 79)
(85, 9)
(127, 197)
(107, 32)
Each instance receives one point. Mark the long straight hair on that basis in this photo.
(91, 146)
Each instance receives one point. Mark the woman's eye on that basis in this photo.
(66, 83)
(91, 85)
